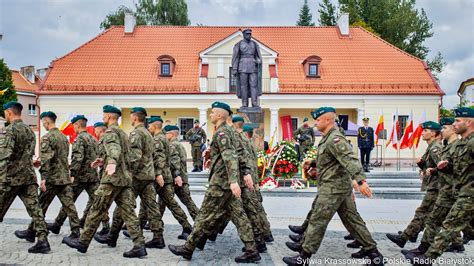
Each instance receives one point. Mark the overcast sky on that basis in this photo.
(37, 31)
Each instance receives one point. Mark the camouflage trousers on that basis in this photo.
(216, 205)
(263, 215)
(197, 156)
(29, 196)
(326, 205)
(77, 189)
(146, 191)
(459, 217)
(308, 216)
(125, 200)
(184, 195)
(417, 224)
(66, 197)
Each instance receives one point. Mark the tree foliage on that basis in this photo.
(6, 86)
(306, 18)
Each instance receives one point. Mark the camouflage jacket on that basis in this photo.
(54, 158)
(445, 180)
(244, 154)
(141, 154)
(336, 164)
(17, 147)
(430, 160)
(178, 159)
(463, 167)
(101, 154)
(84, 152)
(224, 167)
(196, 136)
(117, 151)
(161, 157)
(306, 135)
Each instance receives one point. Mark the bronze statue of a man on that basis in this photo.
(246, 62)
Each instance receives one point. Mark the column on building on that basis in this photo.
(360, 116)
(274, 123)
(203, 118)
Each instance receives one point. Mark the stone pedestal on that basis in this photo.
(254, 116)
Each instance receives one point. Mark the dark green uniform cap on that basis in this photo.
(99, 124)
(154, 119)
(111, 109)
(446, 121)
(322, 110)
(222, 105)
(305, 119)
(248, 128)
(77, 118)
(171, 128)
(237, 118)
(196, 121)
(12, 104)
(431, 125)
(48, 114)
(138, 110)
(464, 112)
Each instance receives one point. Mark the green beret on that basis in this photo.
(154, 119)
(305, 119)
(196, 121)
(171, 128)
(446, 121)
(222, 105)
(237, 118)
(365, 119)
(138, 110)
(322, 110)
(13, 104)
(464, 112)
(431, 125)
(248, 128)
(48, 114)
(111, 109)
(99, 124)
(77, 118)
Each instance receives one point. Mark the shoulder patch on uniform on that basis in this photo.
(336, 140)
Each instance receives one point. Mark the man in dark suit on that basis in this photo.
(365, 141)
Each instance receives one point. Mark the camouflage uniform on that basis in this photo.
(143, 172)
(178, 168)
(462, 211)
(55, 170)
(17, 176)
(431, 186)
(116, 187)
(337, 167)
(305, 139)
(196, 137)
(219, 200)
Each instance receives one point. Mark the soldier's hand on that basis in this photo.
(248, 182)
(72, 179)
(419, 160)
(178, 181)
(36, 163)
(159, 179)
(235, 189)
(207, 163)
(430, 171)
(365, 190)
(110, 169)
(442, 164)
(422, 175)
(97, 163)
(43, 186)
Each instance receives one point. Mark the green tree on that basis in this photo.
(327, 13)
(306, 19)
(7, 89)
(117, 17)
(436, 65)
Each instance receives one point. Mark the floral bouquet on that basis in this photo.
(297, 184)
(262, 159)
(284, 160)
(310, 156)
(269, 184)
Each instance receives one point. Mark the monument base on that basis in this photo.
(254, 117)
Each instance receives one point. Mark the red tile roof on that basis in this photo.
(22, 84)
(360, 64)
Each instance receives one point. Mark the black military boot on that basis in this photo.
(54, 227)
(349, 237)
(268, 238)
(74, 243)
(73, 235)
(195, 169)
(261, 246)
(397, 239)
(354, 244)
(135, 252)
(156, 242)
(376, 258)
(28, 235)
(296, 238)
(212, 237)
(110, 240)
(455, 248)
(249, 256)
(42, 246)
(365, 253)
(182, 251)
(300, 259)
(104, 231)
(421, 249)
(418, 259)
(126, 233)
(147, 226)
(296, 229)
(414, 238)
(466, 239)
(296, 247)
(201, 242)
(185, 234)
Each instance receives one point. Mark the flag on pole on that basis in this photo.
(407, 134)
(380, 128)
(415, 137)
(270, 144)
(394, 135)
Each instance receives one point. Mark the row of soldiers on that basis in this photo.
(149, 162)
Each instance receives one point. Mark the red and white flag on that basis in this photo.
(407, 134)
(394, 135)
(415, 137)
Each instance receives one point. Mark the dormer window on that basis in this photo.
(311, 66)
(167, 65)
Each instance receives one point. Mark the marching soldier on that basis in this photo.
(196, 137)
(223, 195)
(17, 176)
(336, 167)
(365, 141)
(431, 131)
(55, 178)
(115, 185)
(305, 137)
(179, 171)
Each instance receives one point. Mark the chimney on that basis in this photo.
(29, 73)
(130, 23)
(343, 24)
